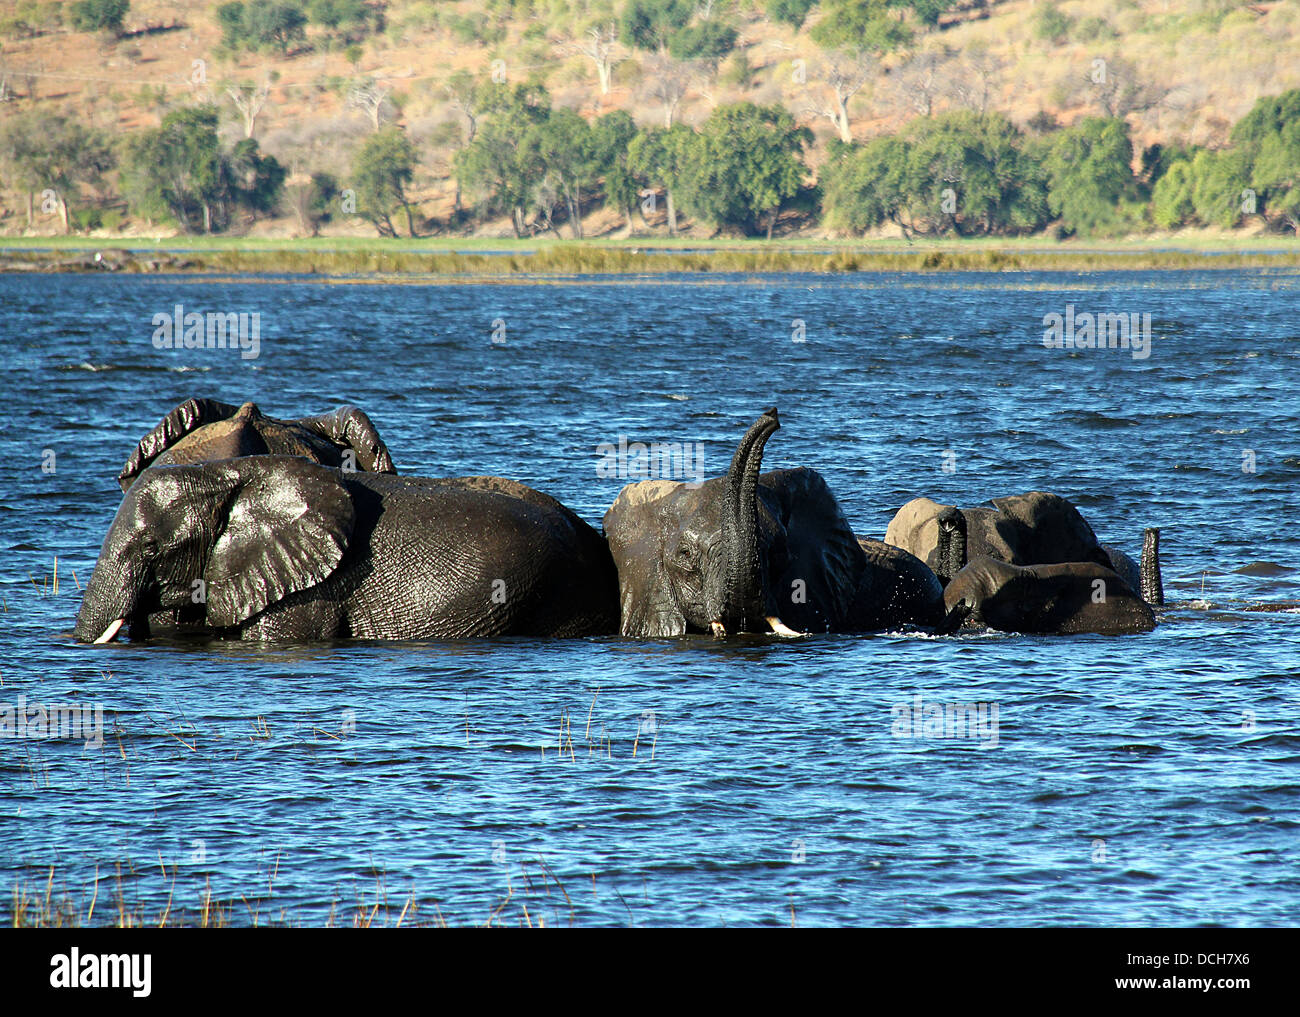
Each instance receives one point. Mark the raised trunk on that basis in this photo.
(1153, 591)
(952, 544)
(743, 598)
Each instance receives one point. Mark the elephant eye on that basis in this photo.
(685, 552)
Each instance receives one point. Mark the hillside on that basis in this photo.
(1190, 70)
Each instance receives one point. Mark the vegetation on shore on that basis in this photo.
(504, 259)
(574, 117)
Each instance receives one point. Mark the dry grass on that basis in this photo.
(561, 260)
(539, 899)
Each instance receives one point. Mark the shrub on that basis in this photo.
(99, 15)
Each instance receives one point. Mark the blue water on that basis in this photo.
(1137, 780)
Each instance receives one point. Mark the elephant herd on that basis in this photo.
(237, 525)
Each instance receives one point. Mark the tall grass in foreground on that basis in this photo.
(535, 899)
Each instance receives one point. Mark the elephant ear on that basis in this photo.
(286, 528)
(1050, 530)
(187, 417)
(915, 528)
(636, 528)
(348, 427)
(814, 559)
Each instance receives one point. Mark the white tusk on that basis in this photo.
(784, 630)
(718, 629)
(111, 631)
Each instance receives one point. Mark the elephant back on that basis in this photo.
(896, 589)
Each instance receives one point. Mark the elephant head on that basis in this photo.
(1036, 528)
(739, 553)
(215, 543)
(200, 430)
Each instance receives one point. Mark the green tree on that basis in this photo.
(745, 163)
(178, 166)
(1220, 183)
(492, 165)
(335, 14)
(651, 24)
(657, 157)
(276, 24)
(381, 173)
(180, 169)
(1090, 174)
(54, 153)
(611, 137)
(867, 185)
(312, 201)
(256, 181)
(790, 12)
(873, 26)
(708, 41)
(560, 151)
(958, 172)
(1268, 141)
(968, 173)
(1172, 204)
(99, 15)
(1051, 24)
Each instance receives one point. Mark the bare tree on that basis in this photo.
(1119, 90)
(920, 80)
(598, 47)
(976, 76)
(250, 100)
(846, 73)
(371, 99)
(669, 80)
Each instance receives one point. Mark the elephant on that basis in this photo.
(1036, 528)
(757, 553)
(199, 430)
(1063, 598)
(278, 548)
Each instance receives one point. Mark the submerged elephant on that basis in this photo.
(200, 430)
(280, 548)
(1036, 528)
(751, 553)
(1032, 564)
(1066, 598)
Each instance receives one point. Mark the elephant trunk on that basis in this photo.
(1153, 591)
(103, 609)
(952, 544)
(742, 595)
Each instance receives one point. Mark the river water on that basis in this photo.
(1140, 780)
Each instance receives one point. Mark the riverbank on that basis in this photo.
(495, 258)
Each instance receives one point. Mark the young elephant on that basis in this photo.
(200, 430)
(751, 553)
(1067, 598)
(280, 548)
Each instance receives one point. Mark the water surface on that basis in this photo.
(1139, 780)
